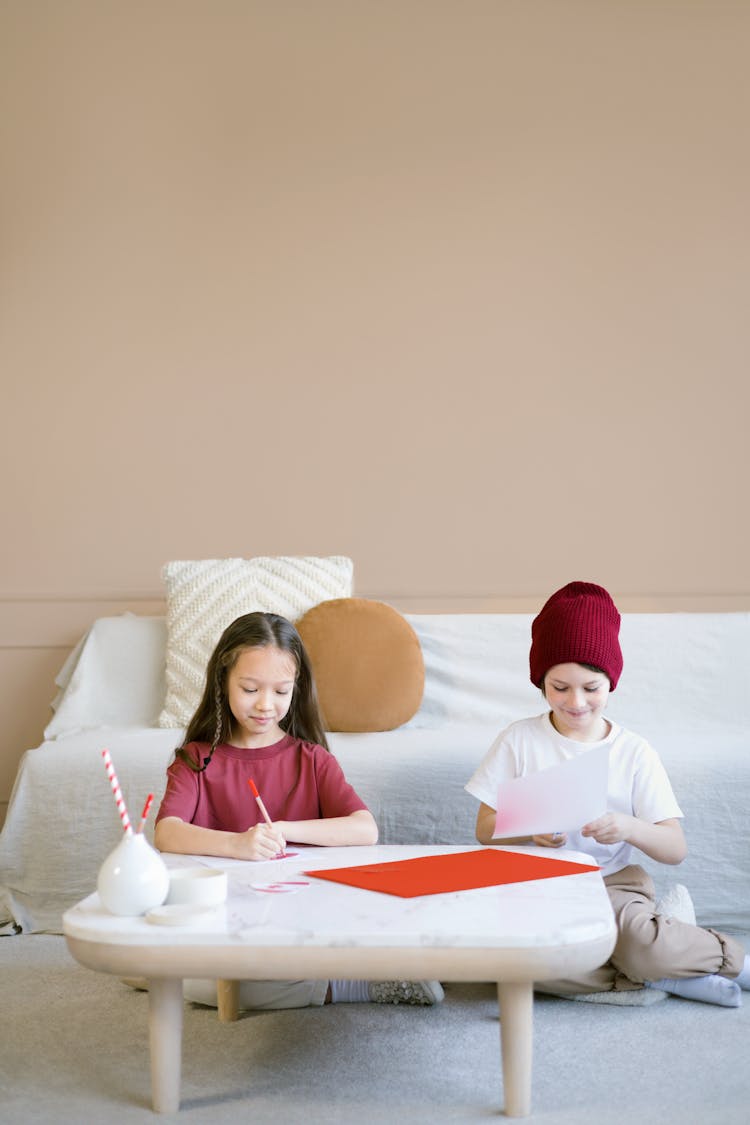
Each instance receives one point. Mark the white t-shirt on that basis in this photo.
(638, 784)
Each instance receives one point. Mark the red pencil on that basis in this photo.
(261, 806)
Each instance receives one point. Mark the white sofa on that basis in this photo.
(685, 686)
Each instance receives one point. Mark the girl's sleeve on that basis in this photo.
(181, 796)
(335, 795)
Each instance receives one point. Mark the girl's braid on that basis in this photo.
(219, 709)
(219, 729)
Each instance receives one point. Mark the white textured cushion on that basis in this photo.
(205, 596)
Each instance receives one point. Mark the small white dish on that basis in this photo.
(178, 914)
(197, 886)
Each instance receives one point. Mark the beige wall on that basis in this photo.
(459, 289)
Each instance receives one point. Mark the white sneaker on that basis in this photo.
(406, 992)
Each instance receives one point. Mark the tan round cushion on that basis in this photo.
(367, 662)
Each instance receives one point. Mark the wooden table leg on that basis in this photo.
(516, 1029)
(228, 997)
(165, 1006)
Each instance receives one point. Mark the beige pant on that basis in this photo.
(262, 994)
(650, 945)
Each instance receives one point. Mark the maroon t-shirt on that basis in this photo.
(296, 780)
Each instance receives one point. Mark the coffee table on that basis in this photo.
(513, 934)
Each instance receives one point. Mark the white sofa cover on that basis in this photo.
(685, 687)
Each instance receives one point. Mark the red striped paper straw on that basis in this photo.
(145, 812)
(121, 807)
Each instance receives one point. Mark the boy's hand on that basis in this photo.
(612, 828)
(550, 840)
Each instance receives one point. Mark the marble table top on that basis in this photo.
(261, 912)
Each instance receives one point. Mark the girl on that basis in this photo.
(259, 718)
(576, 660)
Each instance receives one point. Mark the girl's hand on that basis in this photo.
(551, 840)
(612, 828)
(260, 842)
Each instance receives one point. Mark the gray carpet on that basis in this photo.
(74, 1050)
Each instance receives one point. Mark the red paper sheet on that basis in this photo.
(454, 871)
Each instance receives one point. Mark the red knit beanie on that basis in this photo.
(579, 624)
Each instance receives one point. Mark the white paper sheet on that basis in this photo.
(559, 799)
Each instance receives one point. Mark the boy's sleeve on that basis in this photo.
(653, 796)
(497, 765)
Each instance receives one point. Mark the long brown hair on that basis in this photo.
(212, 721)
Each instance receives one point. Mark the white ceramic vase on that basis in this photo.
(133, 878)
